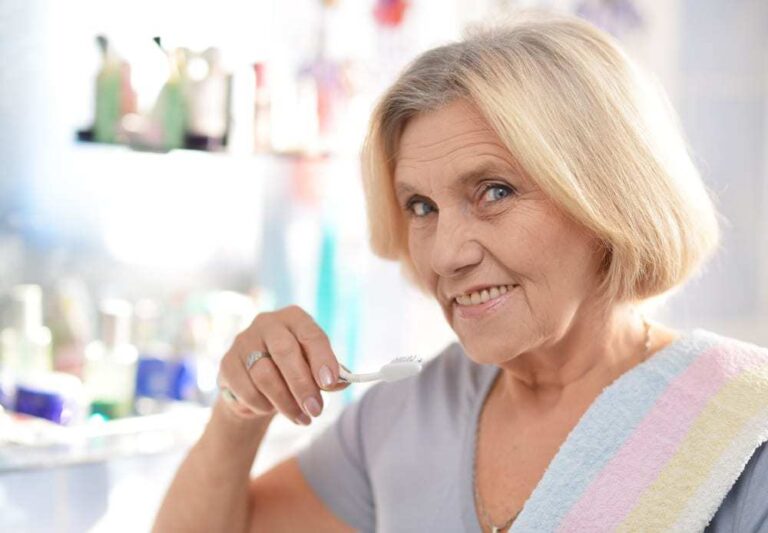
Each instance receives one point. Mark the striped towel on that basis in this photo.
(660, 448)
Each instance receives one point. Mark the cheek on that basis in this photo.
(574, 266)
(548, 250)
(420, 251)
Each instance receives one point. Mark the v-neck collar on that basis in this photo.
(469, 447)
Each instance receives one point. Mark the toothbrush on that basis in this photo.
(398, 368)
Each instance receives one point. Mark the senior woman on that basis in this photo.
(535, 183)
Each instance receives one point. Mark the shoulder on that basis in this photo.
(745, 363)
(755, 502)
(719, 353)
(757, 470)
(705, 339)
(745, 508)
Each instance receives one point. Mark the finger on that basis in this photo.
(231, 402)
(269, 381)
(233, 376)
(287, 355)
(316, 347)
(238, 399)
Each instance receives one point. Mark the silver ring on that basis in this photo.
(253, 358)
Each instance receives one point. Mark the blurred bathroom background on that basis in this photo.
(169, 169)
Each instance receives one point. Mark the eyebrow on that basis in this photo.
(470, 176)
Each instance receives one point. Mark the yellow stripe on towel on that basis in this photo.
(710, 435)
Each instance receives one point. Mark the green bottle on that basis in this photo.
(108, 88)
(171, 107)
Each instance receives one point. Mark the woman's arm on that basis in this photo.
(282, 500)
(212, 490)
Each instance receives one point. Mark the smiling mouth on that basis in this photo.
(483, 296)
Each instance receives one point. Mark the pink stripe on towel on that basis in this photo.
(647, 450)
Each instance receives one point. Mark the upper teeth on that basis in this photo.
(479, 297)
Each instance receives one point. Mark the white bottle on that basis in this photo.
(25, 345)
(110, 363)
(208, 94)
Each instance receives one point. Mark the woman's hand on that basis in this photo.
(299, 362)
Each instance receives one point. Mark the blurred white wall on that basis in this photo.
(723, 102)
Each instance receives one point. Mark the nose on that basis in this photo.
(454, 250)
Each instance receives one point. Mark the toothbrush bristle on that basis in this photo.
(407, 359)
(400, 368)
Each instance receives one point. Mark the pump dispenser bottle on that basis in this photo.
(110, 367)
(25, 345)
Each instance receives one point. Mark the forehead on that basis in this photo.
(456, 136)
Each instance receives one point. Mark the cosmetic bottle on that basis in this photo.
(54, 396)
(115, 96)
(153, 378)
(110, 367)
(170, 110)
(163, 375)
(108, 82)
(70, 325)
(25, 345)
(152, 366)
(209, 95)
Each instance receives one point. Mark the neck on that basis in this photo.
(577, 364)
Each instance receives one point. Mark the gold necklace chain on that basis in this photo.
(486, 517)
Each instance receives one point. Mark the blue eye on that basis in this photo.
(496, 192)
(419, 208)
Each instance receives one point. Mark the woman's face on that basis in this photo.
(509, 270)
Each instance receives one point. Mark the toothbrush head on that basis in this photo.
(401, 367)
(407, 358)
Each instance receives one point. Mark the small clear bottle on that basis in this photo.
(110, 363)
(25, 345)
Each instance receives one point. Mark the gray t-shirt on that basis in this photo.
(400, 459)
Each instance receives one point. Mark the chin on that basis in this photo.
(484, 345)
(483, 352)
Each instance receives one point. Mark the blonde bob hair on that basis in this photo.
(583, 122)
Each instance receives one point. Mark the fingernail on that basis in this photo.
(312, 406)
(326, 377)
(303, 419)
